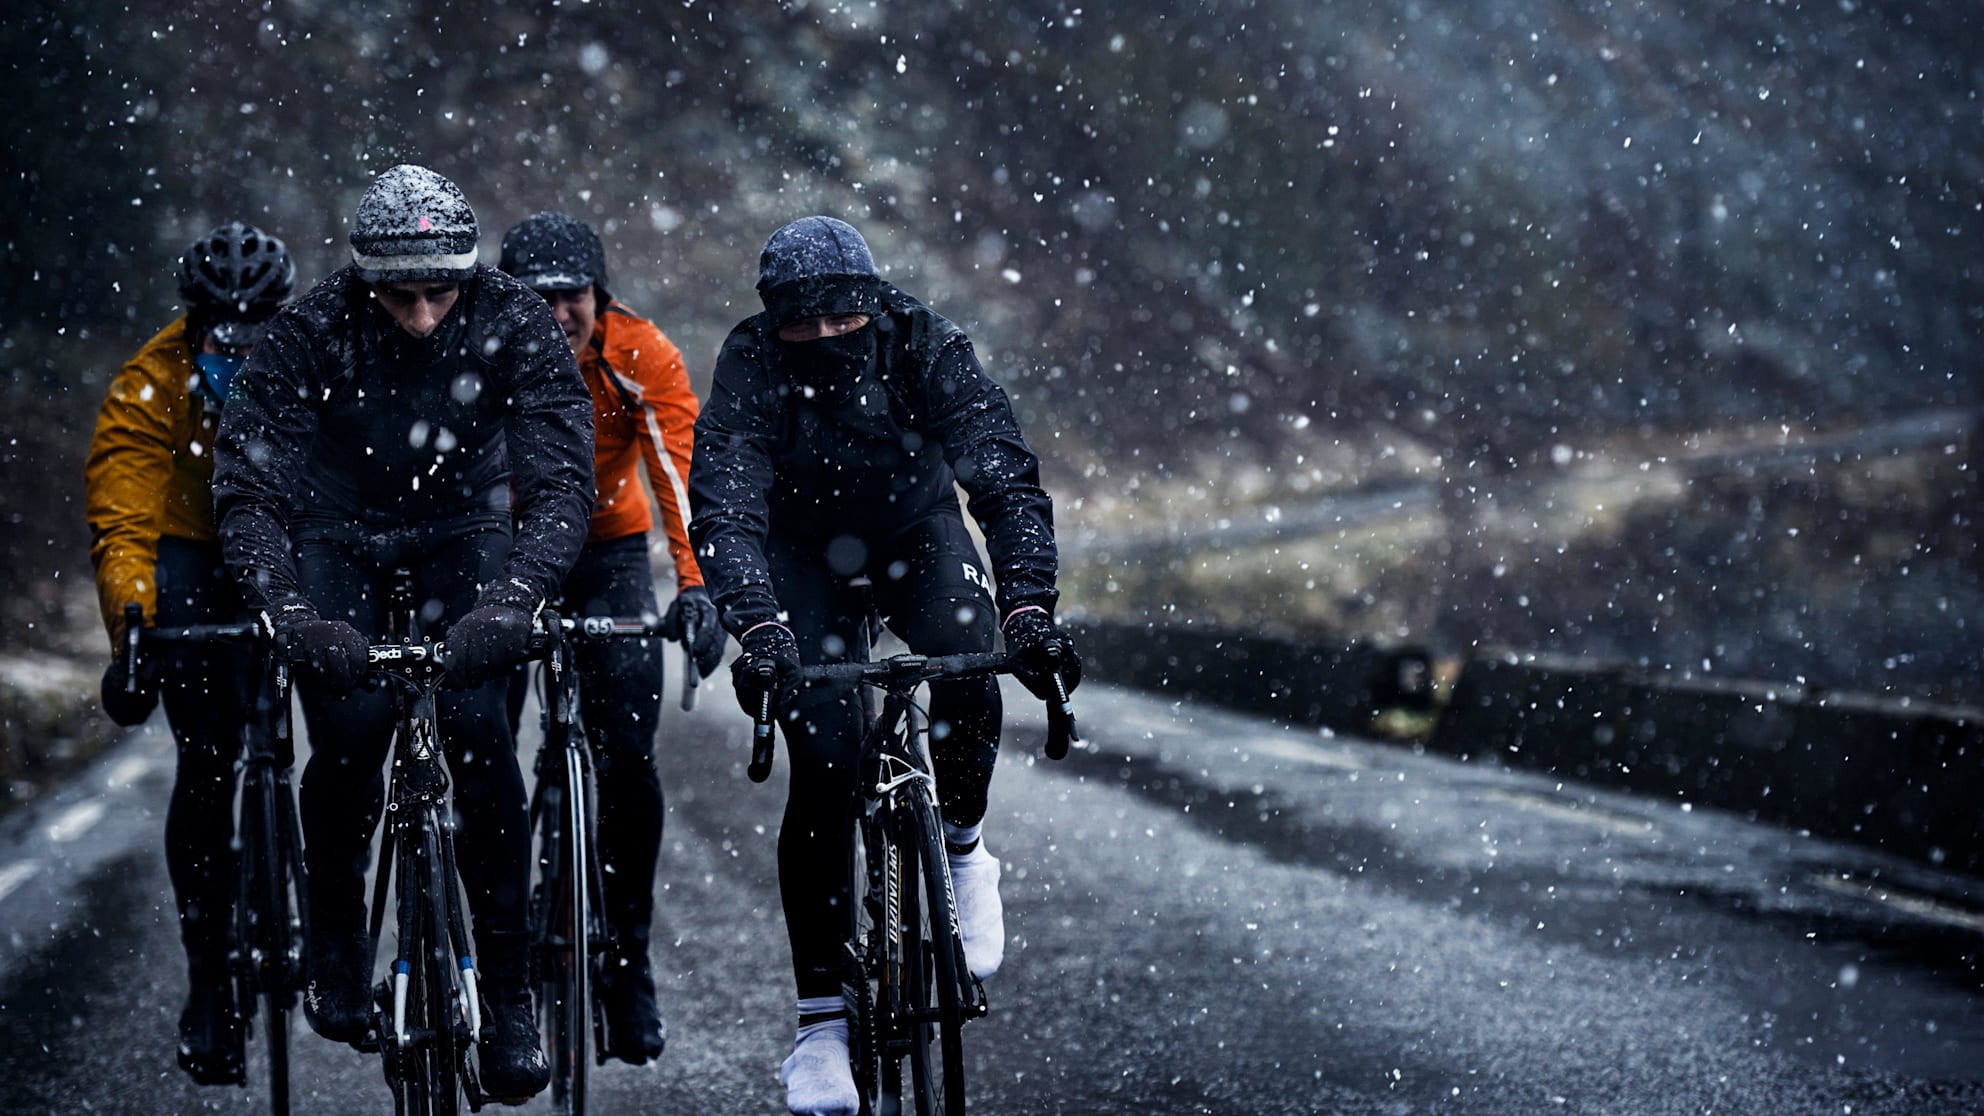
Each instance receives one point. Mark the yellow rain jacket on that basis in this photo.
(150, 472)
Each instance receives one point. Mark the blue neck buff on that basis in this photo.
(217, 374)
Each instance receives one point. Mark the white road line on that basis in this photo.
(1920, 906)
(128, 770)
(14, 875)
(1584, 815)
(1305, 753)
(75, 821)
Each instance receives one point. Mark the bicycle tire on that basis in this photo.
(575, 1011)
(892, 1001)
(933, 965)
(442, 1003)
(552, 934)
(274, 948)
(406, 1067)
(427, 1079)
(861, 986)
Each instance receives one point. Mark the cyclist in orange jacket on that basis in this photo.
(644, 417)
(149, 498)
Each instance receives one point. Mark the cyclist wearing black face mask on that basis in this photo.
(839, 424)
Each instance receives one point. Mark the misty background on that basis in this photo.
(1630, 330)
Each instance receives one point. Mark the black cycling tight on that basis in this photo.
(349, 578)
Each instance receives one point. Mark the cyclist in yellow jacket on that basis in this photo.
(149, 499)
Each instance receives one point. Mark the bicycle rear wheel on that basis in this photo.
(933, 964)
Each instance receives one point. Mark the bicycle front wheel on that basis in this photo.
(425, 1069)
(441, 1002)
(559, 921)
(575, 1011)
(933, 964)
(868, 946)
(275, 930)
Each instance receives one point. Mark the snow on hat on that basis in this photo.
(554, 252)
(817, 266)
(413, 225)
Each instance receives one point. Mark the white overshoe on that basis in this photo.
(817, 1078)
(981, 916)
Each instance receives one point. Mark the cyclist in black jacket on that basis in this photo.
(384, 421)
(838, 425)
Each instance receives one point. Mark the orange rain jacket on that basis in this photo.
(150, 472)
(643, 411)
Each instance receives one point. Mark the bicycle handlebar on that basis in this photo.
(596, 628)
(602, 627)
(137, 637)
(904, 672)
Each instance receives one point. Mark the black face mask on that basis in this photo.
(830, 367)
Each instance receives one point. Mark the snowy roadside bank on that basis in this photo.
(50, 722)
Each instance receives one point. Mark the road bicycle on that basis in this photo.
(907, 989)
(428, 1012)
(570, 938)
(269, 912)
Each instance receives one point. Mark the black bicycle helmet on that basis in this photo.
(233, 279)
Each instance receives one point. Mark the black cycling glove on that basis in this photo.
(329, 653)
(487, 642)
(693, 607)
(128, 705)
(771, 644)
(1038, 647)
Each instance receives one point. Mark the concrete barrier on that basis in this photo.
(1902, 776)
(1907, 777)
(1340, 686)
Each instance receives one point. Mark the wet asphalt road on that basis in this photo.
(1206, 913)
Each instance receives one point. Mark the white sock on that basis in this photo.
(814, 1008)
(962, 837)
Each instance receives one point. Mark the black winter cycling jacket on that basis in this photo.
(341, 417)
(769, 459)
